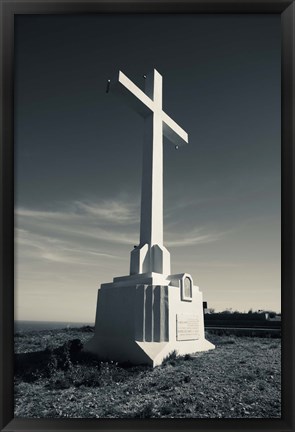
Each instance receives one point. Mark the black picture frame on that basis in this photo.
(8, 11)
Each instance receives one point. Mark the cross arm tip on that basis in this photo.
(174, 132)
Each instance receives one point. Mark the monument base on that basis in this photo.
(142, 318)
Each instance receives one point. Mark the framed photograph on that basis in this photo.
(147, 210)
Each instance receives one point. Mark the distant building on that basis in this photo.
(270, 316)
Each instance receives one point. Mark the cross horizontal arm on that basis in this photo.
(144, 105)
(173, 131)
(134, 97)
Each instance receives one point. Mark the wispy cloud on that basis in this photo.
(111, 211)
(182, 205)
(115, 211)
(41, 247)
(39, 215)
(195, 237)
(113, 222)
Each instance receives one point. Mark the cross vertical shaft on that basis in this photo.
(151, 222)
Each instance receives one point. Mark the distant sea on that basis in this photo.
(46, 325)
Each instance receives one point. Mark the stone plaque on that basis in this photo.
(187, 327)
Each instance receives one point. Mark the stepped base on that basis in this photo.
(137, 352)
(142, 323)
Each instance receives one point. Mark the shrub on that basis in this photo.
(187, 379)
(87, 376)
(59, 381)
(170, 358)
(187, 357)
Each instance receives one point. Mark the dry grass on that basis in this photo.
(241, 378)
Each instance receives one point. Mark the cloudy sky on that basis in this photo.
(78, 155)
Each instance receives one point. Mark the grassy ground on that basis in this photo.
(241, 378)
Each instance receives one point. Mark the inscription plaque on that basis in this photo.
(187, 327)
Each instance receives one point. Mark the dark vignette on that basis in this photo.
(8, 10)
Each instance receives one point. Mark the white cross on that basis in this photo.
(158, 123)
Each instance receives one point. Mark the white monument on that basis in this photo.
(143, 317)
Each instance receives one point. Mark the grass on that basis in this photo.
(239, 379)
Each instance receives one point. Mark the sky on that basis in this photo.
(78, 157)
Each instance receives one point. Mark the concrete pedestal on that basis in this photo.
(142, 318)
